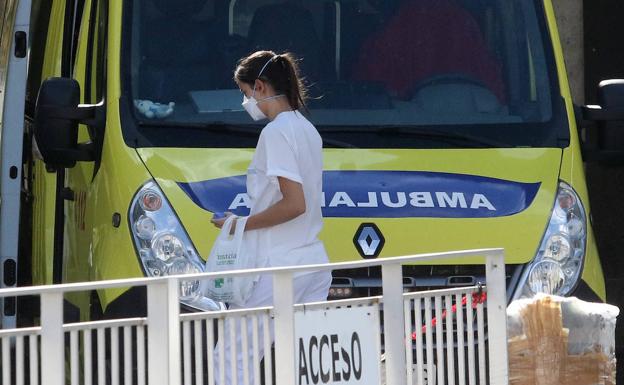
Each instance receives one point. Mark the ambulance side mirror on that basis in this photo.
(605, 141)
(57, 115)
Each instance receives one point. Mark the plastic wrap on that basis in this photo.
(557, 341)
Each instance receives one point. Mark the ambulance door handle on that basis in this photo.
(20, 44)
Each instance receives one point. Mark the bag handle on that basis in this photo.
(241, 222)
(227, 227)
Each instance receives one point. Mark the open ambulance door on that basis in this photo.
(14, 28)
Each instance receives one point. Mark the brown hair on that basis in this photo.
(280, 71)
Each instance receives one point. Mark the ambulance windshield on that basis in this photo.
(479, 68)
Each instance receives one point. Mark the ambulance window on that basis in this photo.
(478, 67)
(71, 28)
(39, 24)
(76, 15)
(176, 50)
(96, 53)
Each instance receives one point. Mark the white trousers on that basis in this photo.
(312, 287)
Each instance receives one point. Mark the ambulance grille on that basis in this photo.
(366, 282)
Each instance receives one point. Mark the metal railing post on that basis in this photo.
(52, 341)
(394, 324)
(283, 313)
(163, 333)
(497, 317)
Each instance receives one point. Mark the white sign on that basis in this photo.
(338, 346)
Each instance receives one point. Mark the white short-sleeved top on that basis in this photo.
(289, 147)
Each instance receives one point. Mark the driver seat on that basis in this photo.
(425, 39)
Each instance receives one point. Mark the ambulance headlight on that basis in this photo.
(163, 246)
(189, 289)
(557, 247)
(546, 277)
(167, 246)
(145, 227)
(557, 267)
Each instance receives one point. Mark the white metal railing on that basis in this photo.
(443, 319)
(88, 341)
(198, 339)
(426, 334)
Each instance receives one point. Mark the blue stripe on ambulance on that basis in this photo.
(386, 194)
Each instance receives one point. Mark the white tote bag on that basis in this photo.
(228, 253)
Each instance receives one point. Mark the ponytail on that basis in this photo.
(280, 71)
(296, 91)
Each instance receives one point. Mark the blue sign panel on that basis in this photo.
(386, 194)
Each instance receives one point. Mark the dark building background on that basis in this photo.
(604, 59)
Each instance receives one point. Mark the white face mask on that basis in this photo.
(251, 105)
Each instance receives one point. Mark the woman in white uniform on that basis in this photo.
(284, 183)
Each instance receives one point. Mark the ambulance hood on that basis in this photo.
(418, 200)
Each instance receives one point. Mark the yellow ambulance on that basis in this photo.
(447, 125)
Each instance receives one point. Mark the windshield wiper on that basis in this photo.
(443, 136)
(338, 143)
(222, 127)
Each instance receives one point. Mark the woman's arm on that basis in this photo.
(289, 207)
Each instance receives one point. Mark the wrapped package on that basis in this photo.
(557, 341)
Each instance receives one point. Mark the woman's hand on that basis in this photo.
(289, 207)
(218, 222)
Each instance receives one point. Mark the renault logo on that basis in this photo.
(368, 240)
